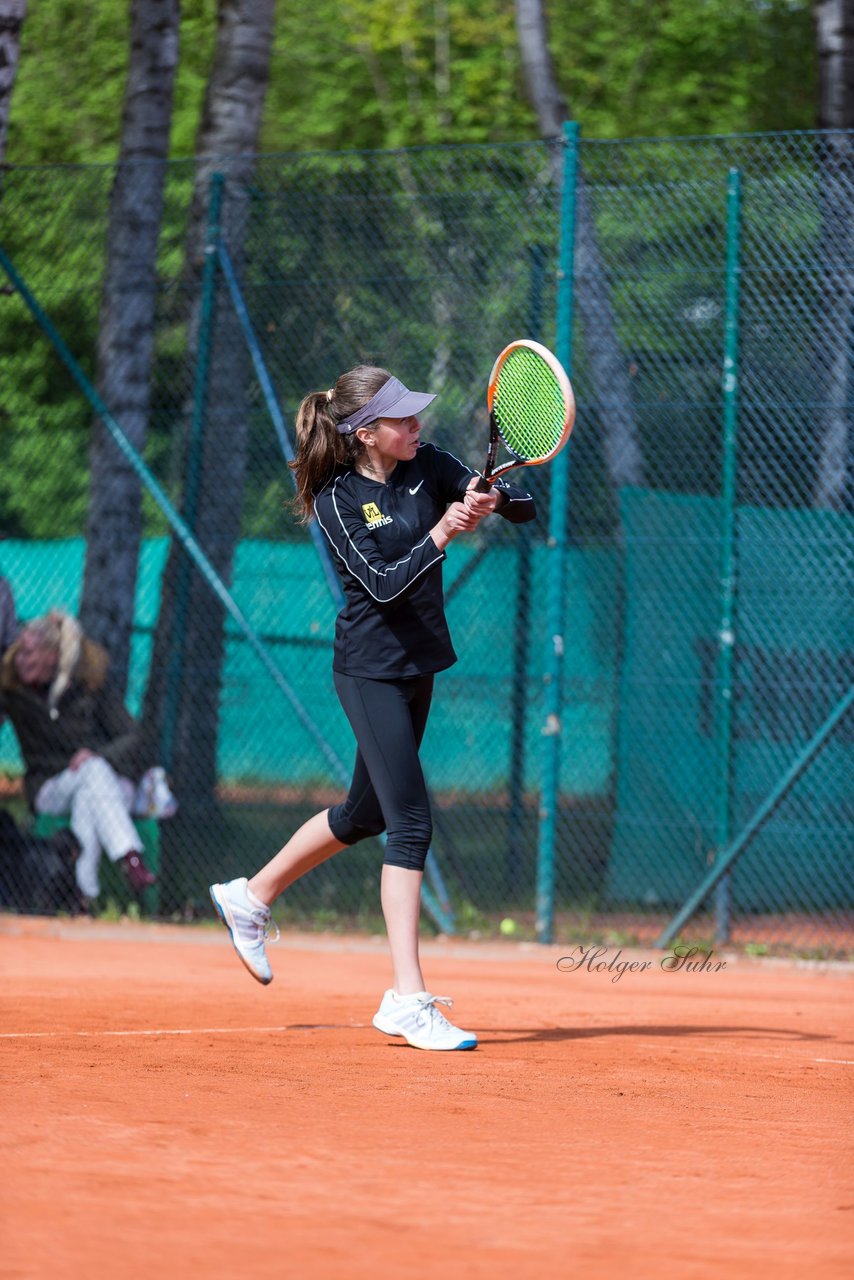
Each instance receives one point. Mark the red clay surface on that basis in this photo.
(166, 1116)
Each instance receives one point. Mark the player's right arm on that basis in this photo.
(357, 553)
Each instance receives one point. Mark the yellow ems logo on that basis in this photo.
(374, 518)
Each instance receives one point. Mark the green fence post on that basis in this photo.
(556, 585)
(522, 632)
(726, 857)
(194, 463)
(726, 632)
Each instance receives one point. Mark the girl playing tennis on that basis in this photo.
(389, 504)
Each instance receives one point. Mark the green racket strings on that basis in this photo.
(528, 405)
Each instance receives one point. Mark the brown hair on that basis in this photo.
(320, 447)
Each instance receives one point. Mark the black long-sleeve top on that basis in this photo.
(392, 624)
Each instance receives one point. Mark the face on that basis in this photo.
(35, 662)
(393, 440)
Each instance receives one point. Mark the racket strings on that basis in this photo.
(528, 405)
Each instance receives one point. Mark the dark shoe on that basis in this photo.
(138, 873)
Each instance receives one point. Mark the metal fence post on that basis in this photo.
(728, 568)
(727, 857)
(556, 587)
(522, 633)
(194, 463)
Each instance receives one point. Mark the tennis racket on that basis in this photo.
(531, 409)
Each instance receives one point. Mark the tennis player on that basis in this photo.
(389, 504)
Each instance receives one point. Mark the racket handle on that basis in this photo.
(482, 486)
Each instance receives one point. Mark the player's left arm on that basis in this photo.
(455, 482)
(508, 500)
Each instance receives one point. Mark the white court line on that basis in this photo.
(177, 1031)
(750, 1053)
(353, 1026)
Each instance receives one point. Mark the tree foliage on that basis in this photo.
(389, 73)
(359, 74)
(660, 67)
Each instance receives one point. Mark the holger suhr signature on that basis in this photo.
(682, 959)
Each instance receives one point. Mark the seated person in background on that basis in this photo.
(8, 621)
(8, 618)
(82, 750)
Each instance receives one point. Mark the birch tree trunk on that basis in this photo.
(12, 14)
(835, 312)
(183, 715)
(835, 43)
(126, 337)
(608, 367)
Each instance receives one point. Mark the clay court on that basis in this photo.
(166, 1116)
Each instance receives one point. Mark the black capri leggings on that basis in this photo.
(388, 791)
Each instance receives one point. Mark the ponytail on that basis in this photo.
(320, 446)
(319, 451)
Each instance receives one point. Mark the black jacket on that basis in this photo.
(90, 714)
(393, 622)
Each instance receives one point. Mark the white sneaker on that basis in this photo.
(248, 924)
(421, 1023)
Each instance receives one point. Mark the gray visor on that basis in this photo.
(393, 400)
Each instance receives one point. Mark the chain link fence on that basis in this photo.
(708, 572)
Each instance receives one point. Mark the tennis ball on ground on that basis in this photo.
(508, 927)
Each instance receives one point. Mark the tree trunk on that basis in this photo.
(183, 695)
(835, 313)
(126, 337)
(12, 14)
(608, 366)
(834, 21)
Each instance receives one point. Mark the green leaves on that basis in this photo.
(356, 75)
(660, 67)
(391, 73)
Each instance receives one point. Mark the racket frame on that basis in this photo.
(491, 471)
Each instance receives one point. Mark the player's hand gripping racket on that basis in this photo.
(531, 409)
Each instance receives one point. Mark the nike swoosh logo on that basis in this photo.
(417, 487)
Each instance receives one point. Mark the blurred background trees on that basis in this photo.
(392, 73)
